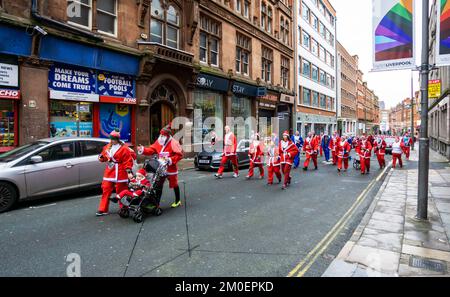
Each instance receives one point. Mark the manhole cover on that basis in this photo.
(427, 264)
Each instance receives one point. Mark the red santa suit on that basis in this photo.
(310, 147)
(364, 150)
(135, 188)
(343, 149)
(398, 148)
(256, 154)
(332, 146)
(229, 153)
(119, 162)
(407, 143)
(380, 151)
(288, 150)
(170, 151)
(273, 164)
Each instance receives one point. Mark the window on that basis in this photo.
(269, 20)
(328, 80)
(210, 35)
(322, 77)
(246, 9)
(322, 8)
(322, 29)
(85, 17)
(306, 97)
(315, 73)
(322, 53)
(238, 5)
(315, 47)
(306, 68)
(285, 72)
(91, 148)
(243, 50)
(315, 97)
(306, 40)
(314, 22)
(58, 152)
(266, 64)
(164, 24)
(107, 16)
(323, 102)
(263, 15)
(305, 12)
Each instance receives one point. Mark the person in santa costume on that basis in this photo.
(298, 140)
(288, 150)
(333, 143)
(229, 154)
(169, 149)
(407, 143)
(273, 161)
(119, 165)
(256, 154)
(364, 151)
(380, 151)
(343, 149)
(135, 186)
(311, 148)
(398, 148)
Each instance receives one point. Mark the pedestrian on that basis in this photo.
(332, 146)
(325, 145)
(343, 153)
(397, 151)
(407, 143)
(273, 163)
(256, 155)
(320, 141)
(380, 151)
(365, 153)
(119, 166)
(298, 140)
(288, 150)
(229, 154)
(311, 148)
(168, 149)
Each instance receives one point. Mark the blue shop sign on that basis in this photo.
(248, 90)
(72, 83)
(115, 85)
(212, 82)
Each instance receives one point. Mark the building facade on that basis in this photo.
(400, 117)
(317, 67)
(438, 115)
(347, 91)
(138, 64)
(368, 108)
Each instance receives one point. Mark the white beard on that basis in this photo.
(162, 140)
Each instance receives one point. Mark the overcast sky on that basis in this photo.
(354, 25)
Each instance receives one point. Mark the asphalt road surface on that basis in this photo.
(236, 228)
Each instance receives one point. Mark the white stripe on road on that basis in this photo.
(42, 206)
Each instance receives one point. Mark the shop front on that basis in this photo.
(267, 112)
(90, 103)
(9, 98)
(285, 109)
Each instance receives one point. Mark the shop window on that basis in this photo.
(211, 106)
(70, 119)
(241, 108)
(7, 123)
(84, 9)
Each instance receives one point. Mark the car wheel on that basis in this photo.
(8, 196)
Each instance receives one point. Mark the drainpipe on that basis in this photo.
(36, 15)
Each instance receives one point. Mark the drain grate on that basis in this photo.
(427, 264)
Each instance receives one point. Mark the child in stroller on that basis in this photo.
(136, 186)
(357, 164)
(148, 199)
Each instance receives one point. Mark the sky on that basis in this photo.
(354, 27)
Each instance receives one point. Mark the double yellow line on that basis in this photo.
(312, 256)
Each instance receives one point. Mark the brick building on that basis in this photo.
(137, 64)
(400, 117)
(368, 109)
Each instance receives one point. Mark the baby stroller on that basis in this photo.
(356, 164)
(148, 201)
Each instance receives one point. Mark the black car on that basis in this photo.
(211, 156)
(389, 141)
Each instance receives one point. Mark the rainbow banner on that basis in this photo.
(443, 33)
(393, 34)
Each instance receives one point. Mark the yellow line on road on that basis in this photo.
(328, 239)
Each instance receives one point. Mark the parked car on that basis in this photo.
(389, 142)
(210, 158)
(49, 167)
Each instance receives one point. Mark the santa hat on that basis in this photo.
(286, 133)
(166, 131)
(142, 172)
(115, 134)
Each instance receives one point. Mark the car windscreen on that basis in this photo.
(21, 151)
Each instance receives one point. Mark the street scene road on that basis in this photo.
(236, 228)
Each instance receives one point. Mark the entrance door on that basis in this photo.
(161, 114)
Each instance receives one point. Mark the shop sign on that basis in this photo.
(76, 84)
(9, 94)
(270, 97)
(9, 75)
(287, 98)
(116, 88)
(212, 82)
(245, 90)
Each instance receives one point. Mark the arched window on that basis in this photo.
(165, 24)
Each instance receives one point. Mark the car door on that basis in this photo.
(242, 152)
(57, 171)
(91, 170)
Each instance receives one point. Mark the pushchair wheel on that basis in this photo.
(124, 213)
(138, 217)
(158, 211)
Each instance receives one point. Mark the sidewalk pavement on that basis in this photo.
(390, 241)
(186, 164)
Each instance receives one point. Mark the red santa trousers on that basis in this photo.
(252, 167)
(407, 151)
(273, 170)
(396, 157)
(308, 159)
(381, 160)
(335, 157)
(286, 169)
(224, 161)
(108, 188)
(343, 160)
(365, 164)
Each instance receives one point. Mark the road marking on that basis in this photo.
(301, 268)
(42, 206)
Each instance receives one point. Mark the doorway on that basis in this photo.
(161, 114)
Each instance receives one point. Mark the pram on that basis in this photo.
(356, 164)
(148, 201)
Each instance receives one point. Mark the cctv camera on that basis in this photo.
(40, 30)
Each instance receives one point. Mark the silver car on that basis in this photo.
(49, 166)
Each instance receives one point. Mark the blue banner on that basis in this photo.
(115, 85)
(114, 116)
(72, 79)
